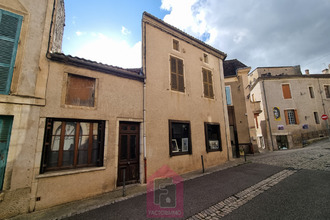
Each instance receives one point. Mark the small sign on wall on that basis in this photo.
(277, 114)
(305, 126)
(280, 127)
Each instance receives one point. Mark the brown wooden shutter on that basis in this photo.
(286, 91)
(296, 116)
(180, 76)
(286, 116)
(210, 84)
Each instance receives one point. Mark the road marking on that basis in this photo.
(228, 205)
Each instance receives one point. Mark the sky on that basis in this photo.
(259, 33)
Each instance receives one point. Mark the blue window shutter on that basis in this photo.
(10, 26)
(5, 131)
(228, 96)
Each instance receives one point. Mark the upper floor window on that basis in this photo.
(10, 26)
(291, 117)
(327, 91)
(228, 95)
(207, 83)
(286, 91)
(311, 92)
(206, 58)
(80, 91)
(176, 45)
(177, 77)
(180, 137)
(72, 143)
(316, 118)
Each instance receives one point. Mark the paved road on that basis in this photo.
(291, 184)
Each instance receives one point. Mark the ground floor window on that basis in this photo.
(212, 137)
(72, 143)
(180, 137)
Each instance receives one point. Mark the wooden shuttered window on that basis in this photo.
(10, 26)
(177, 77)
(286, 91)
(207, 84)
(291, 117)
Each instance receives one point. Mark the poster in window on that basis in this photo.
(277, 114)
(214, 144)
(174, 146)
(185, 144)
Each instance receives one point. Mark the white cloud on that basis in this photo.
(104, 49)
(125, 31)
(79, 33)
(259, 33)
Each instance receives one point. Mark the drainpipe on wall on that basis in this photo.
(225, 110)
(144, 71)
(267, 115)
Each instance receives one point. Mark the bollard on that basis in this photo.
(202, 163)
(124, 189)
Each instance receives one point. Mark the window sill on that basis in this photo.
(179, 154)
(68, 172)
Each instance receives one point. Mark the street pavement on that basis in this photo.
(286, 184)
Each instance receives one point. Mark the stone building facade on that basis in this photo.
(291, 105)
(240, 109)
(185, 104)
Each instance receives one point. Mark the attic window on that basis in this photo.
(176, 45)
(205, 58)
(80, 91)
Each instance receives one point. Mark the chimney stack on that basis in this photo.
(307, 71)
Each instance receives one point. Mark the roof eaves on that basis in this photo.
(92, 65)
(223, 55)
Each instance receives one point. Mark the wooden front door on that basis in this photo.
(129, 151)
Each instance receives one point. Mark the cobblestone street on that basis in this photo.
(313, 157)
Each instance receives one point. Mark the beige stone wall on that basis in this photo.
(301, 101)
(23, 104)
(163, 104)
(117, 99)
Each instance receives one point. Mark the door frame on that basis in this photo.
(137, 161)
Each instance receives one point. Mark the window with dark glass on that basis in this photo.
(316, 117)
(327, 91)
(80, 91)
(180, 137)
(70, 144)
(212, 137)
(207, 83)
(311, 92)
(177, 78)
